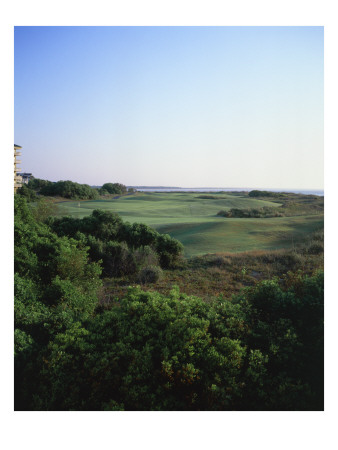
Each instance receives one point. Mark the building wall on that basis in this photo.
(17, 178)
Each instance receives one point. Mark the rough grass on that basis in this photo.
(226, 274)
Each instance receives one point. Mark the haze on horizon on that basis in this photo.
(172, 106)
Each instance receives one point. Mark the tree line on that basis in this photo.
(70, 190)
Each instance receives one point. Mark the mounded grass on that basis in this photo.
(161, 208)
(193, 220)
(239, 235)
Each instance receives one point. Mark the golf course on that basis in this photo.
(191, 217)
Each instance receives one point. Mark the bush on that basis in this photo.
(220, 261)
(146, 256)
(114, 188)
(169, 250)
(315, 248)
(69, 189)
(150, 274)
(37, 183)
(291, 260)
(256, 193)
(28, 193)
(117, 259)
(105, 226)
(43, 209)
(265, 211)
(263, 350)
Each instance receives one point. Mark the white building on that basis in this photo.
(17, 177)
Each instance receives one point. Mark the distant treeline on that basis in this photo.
(265, 211)
(70, 189)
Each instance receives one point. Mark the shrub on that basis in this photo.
(114, 188)
(315, 248)
(117, 259)
(169, 250)
(43, 209)
(150, 274)
(146, 256)
(28, 193)
(257, 193)
(219, 261)
(37, 183)
(291, 260)
(139, 243)
(265, 211)
(263, 350)
(69, 189)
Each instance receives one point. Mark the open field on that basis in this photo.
(192, 219)
(238, 235)
(162, 208)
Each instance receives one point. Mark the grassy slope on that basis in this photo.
(163, 208)
(193, 220)
(238, 235)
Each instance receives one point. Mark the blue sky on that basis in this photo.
(180, 106)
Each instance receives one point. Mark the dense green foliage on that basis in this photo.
(116, 242)
(38, 183)
(251, 212)
(257, 193)
(27, 192)
(114, 188)
(69, 189)
(55, 286)
(260, 350)
(210, 197)
(150, 274)
(263, 351)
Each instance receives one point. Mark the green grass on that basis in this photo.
(238, 235)
(162, 208)
(194, 220)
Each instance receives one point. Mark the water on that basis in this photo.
(206, 189)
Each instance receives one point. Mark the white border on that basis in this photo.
(172, 430)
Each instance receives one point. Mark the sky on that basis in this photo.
(171, 106)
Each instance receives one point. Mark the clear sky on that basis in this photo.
(172, 106)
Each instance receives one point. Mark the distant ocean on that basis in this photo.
(206, 189)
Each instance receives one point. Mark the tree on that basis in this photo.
(43, 209)
(169, 250)
(114, 188)
(37, 183)
(26, 192)
(69, 189)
